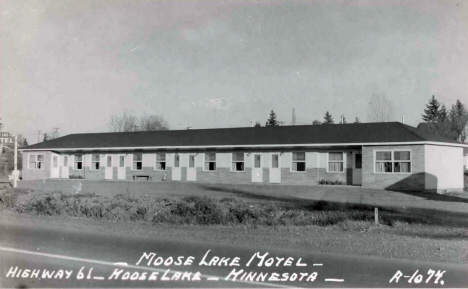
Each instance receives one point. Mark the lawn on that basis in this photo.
(335, 194)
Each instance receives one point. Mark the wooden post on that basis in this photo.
(15, 170)
(376, 215)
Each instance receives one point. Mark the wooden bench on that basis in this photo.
(136, 177)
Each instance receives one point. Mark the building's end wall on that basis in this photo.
(36, 174)
(414, 181)
(444, 168)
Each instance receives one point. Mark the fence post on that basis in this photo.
(376, 215)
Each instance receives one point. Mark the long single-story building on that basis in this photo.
(390, 155)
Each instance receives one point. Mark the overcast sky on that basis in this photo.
(74, 64)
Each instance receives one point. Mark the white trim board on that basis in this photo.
(252, 146)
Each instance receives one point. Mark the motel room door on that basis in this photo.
(191, 169)
(65, 169)
(108, 175)
(275, 169)
(176, 171)
(54, 170)
(357, 169)
(257, 170)
(121, 170)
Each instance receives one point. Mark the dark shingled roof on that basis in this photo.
(386, 132)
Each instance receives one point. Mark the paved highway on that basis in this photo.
(55, 256)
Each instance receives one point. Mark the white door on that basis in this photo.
(275, 169)
(176, 173)
(65, 168)
(54, 170)
(357, 169)
(191, 169)
(257, 170)
(121, 170)
(109, 169)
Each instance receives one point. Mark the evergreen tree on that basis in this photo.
(272, 120)
(328, 118)
(344, 119)
(25, 143)
(431, 113)
(459, 120)
(443, 114)
(46, 137)
(257, 124)
(357, 120)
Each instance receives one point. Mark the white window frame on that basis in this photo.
(176, 160)
(156, 167)
(93, 162)
(304, 161)
(107, 161)
(65, 161)
(335, 161)
(135, 167)
(235, 162)
(393, 161)
(36, 161)
(188, 165)
(204, 162)
(121, 157)
(75, 167)
(279, 162)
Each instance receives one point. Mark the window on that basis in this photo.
(191, 161)
(55, 161)
(358, 161)
(274, 161)
(237, 162)
(65, 161)
(36, 162)
(122, 161)
(95, 162)
(335, 162)
(78, 162)
(298, 162)
(137, 162)
(109, 161)
(176, 161)
(210, 162)
(257, 161)
(161, 162)
(393, 162)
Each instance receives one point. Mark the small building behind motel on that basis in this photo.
(391, 156)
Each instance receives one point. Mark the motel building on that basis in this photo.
(391, 156)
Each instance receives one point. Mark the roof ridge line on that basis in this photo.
(405, 126)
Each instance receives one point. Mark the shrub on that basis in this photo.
(8, 199)
(75, 177)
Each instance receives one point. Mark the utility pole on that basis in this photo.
(294, 117)
(15, 171)
(56, 132)
(38, 135)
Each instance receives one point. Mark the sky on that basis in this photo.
(210, 64)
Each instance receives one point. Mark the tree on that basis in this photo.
(328, 119)
(380, 109)
(357, 120)
(459, 119)
(316, 122)
(257, 124)
(443, 114)
(272, 120)
(344, 120)
(25, 142)
(123, 123)
(46, 137)
(152, 123)
(1, 124)
(432, 111)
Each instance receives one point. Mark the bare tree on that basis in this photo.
(123, 123)
(152, 123)
(380, 109)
